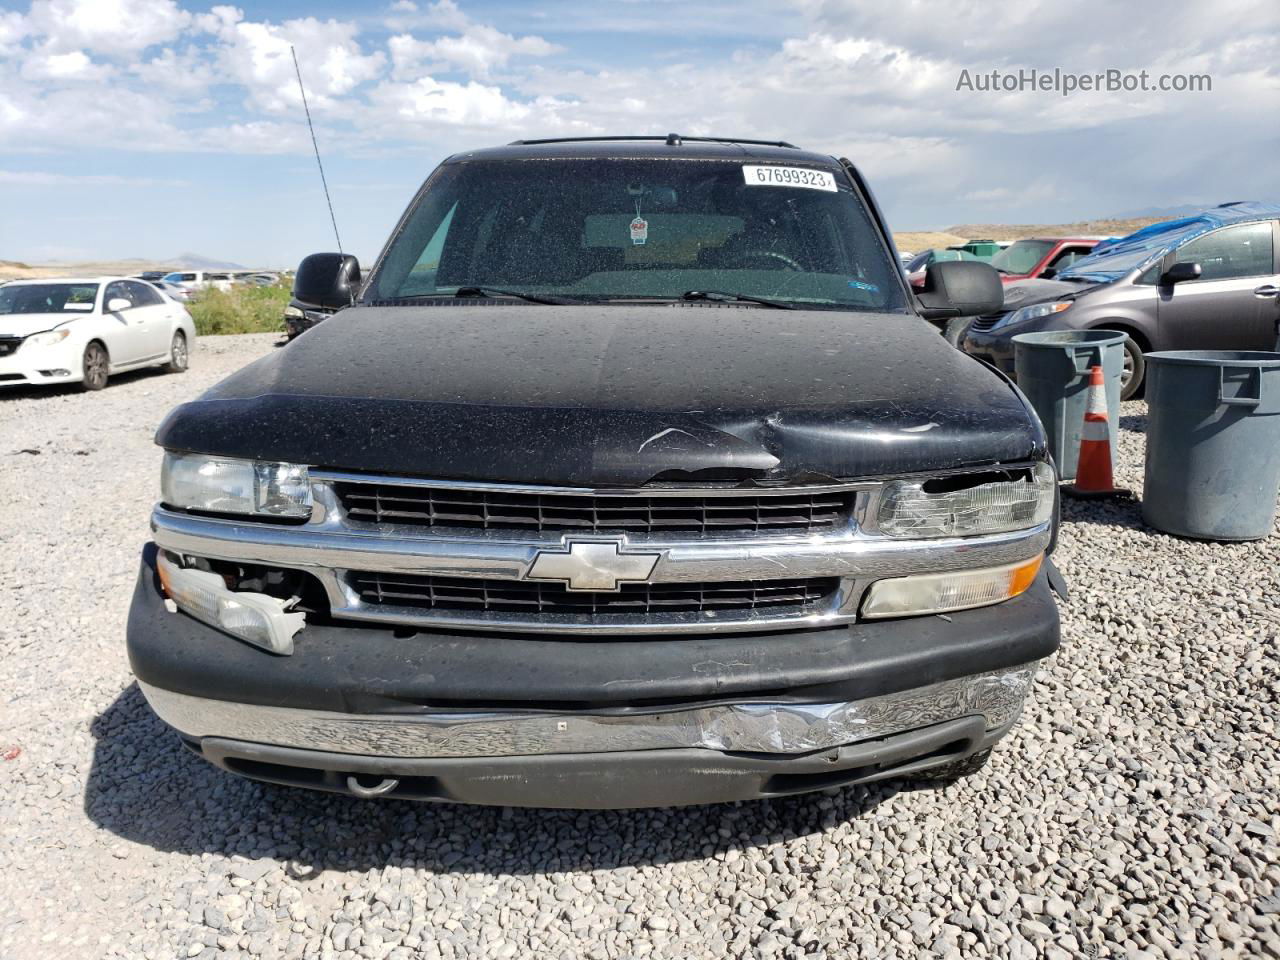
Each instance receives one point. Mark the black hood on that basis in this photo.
(613, 395)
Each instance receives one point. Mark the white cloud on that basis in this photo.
(256, 137)
(41, 178)
(110, 27)
(13, 28)
(442, 15)
(45, 117)
(255, 55)
(477, 51)
(1036, 191)
(426, 102)
(72, 66)
(1083, 35)
(873, 82)
(185, 74)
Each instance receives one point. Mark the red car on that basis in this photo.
(1032, 257)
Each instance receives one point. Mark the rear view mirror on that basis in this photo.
(960, 288)
(116, 304)
(1181, 271)
(327, 280)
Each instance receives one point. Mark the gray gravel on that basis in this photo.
(1134, 811)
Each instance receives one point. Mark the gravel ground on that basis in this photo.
(1133, 812)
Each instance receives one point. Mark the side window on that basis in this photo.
(1067, 257)
(1151, 275)
(1240, 251)
(116, 290)
(142, 295)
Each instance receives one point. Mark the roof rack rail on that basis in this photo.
(672, 139)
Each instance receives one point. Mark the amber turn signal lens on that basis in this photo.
(943, 592)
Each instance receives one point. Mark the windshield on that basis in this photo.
(636, 229)
(1021, 256)
(1116, 259)
(47, 297)
(943, 256)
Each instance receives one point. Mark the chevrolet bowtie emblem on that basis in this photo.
(592, 565)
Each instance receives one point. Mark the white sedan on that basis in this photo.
(68, 331)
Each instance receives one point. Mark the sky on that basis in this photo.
(149, 128)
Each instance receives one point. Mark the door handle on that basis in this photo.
(1267, 291)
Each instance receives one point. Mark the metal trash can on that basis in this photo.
(1213, 443)
(1052, 369)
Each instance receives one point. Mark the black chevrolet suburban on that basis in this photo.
(631, 474)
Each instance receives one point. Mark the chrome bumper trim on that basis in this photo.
(772, 728)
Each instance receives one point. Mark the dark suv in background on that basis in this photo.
(1206, 282)
(634, 475)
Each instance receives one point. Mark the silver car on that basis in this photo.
(1205, 282)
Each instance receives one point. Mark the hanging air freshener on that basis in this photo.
(639, 227)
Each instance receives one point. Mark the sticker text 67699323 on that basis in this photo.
(772, 176)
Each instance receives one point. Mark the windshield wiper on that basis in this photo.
(721, 296)
(494, 292)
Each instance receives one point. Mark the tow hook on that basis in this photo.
(378, 790)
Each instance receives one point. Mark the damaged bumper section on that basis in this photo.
(601, 760)
(764, 727)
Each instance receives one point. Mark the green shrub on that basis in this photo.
(245, 309)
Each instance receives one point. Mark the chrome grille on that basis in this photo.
(746, 575)
(467, 594)
(784, 511)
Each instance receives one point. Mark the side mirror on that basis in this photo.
(1181, 271)
(116, 304)
(1048, 273)
(960, 288)
(327, 280)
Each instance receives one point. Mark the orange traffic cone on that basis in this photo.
(1093, 469)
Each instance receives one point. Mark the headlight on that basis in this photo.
(255, 617)
(193, 481)
(48, 338)
(293, 313)
(911, 509)
(1033, 312)
(943, 592)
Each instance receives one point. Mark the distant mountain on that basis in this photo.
(194, 261)
(1165, 213)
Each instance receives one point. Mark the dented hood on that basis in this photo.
(613, 395)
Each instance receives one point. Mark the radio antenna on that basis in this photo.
(310, 126)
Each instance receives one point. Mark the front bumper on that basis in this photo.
(667, 777)
(61, 363)
(774, 727)
(537, 720)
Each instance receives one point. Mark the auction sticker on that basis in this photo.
(772, 176)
